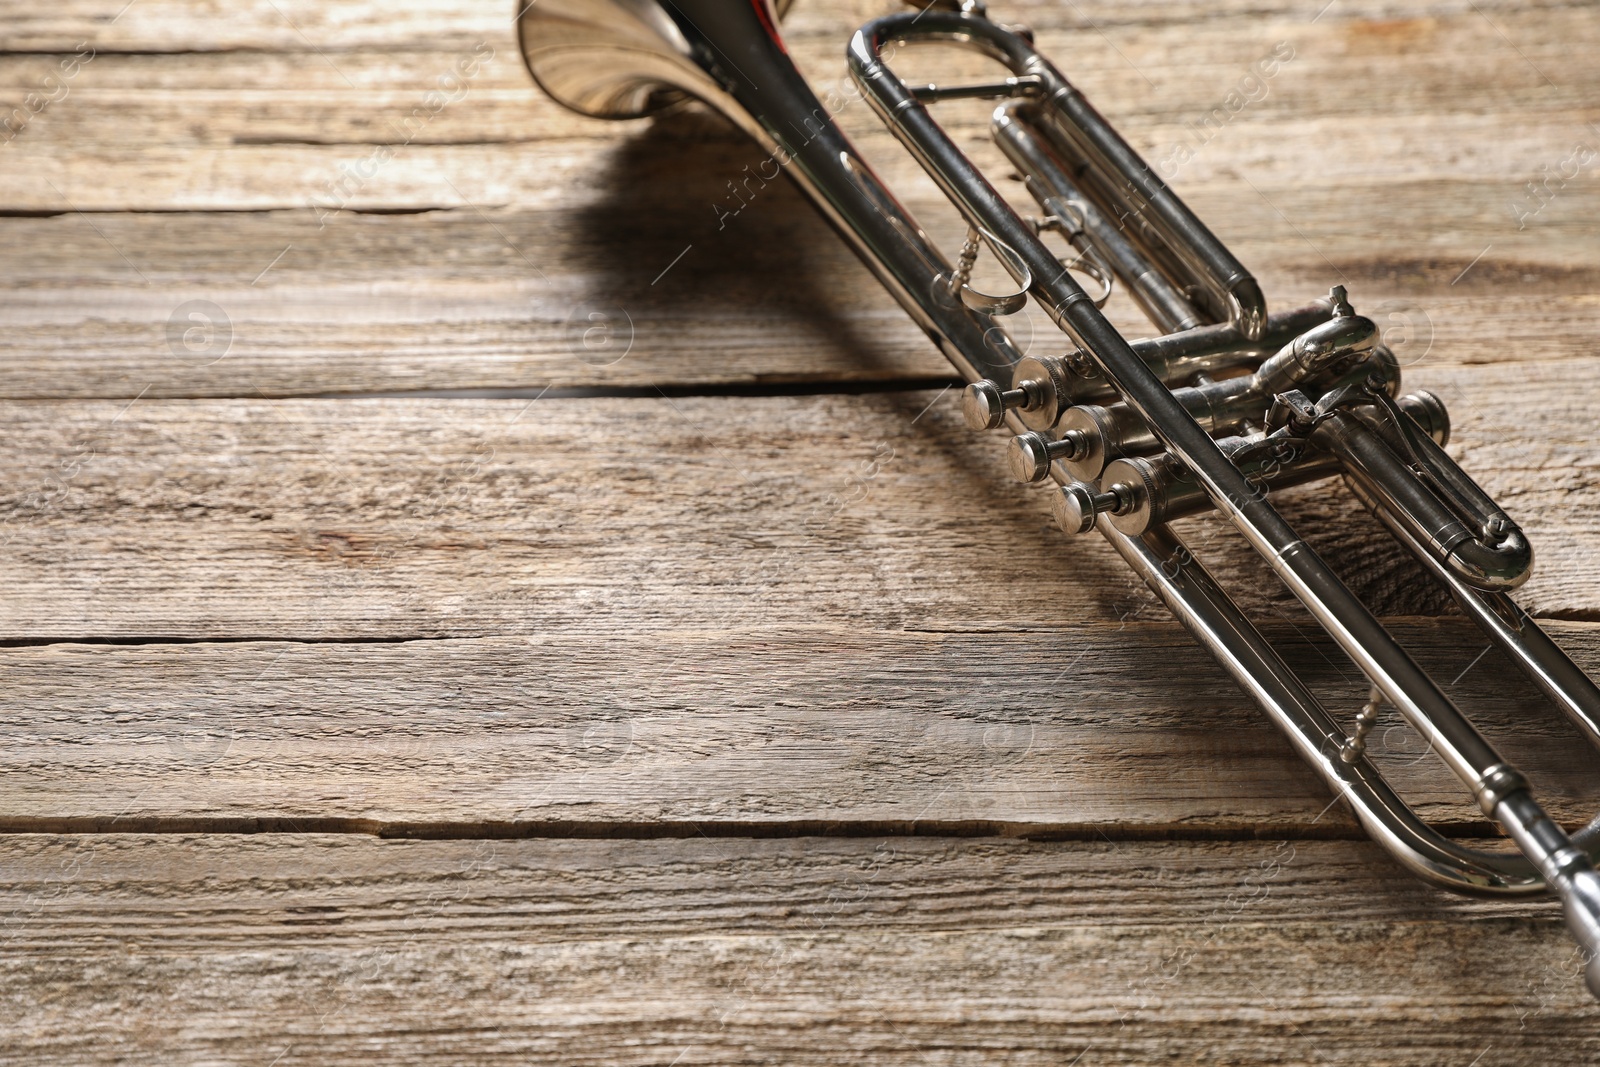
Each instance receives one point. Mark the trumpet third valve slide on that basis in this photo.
(1228, 402)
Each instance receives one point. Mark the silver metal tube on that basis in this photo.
(1077, 127)
(1195, 599)
(1166, 305)
(1509, 627)
(1430, 520)
(1178, 357)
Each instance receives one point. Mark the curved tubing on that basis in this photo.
(1433, 523)
(1205, 609)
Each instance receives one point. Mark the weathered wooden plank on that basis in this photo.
(422, 176)
(279, 25)
(339, 950)
(458, 300)
(489, 293)
(712, 617)
(384, 519)
(299, 25)
(428, 302)
(1145, 76)
(1079, 731)
(548, 520)
(1176, 70)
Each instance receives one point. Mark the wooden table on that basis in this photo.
(403, 664)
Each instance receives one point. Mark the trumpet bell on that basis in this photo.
(619, 59)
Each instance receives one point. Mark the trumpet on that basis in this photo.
(1226, 404)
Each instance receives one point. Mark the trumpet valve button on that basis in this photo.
(984, 404)
(1076, 506)
(1030, 455)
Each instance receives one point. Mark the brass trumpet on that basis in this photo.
(1228, 403)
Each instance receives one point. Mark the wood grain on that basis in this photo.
(518, 219)
(1080, 732)
(455, 299)
(387, 519)
(176, 25)
(334, 950)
